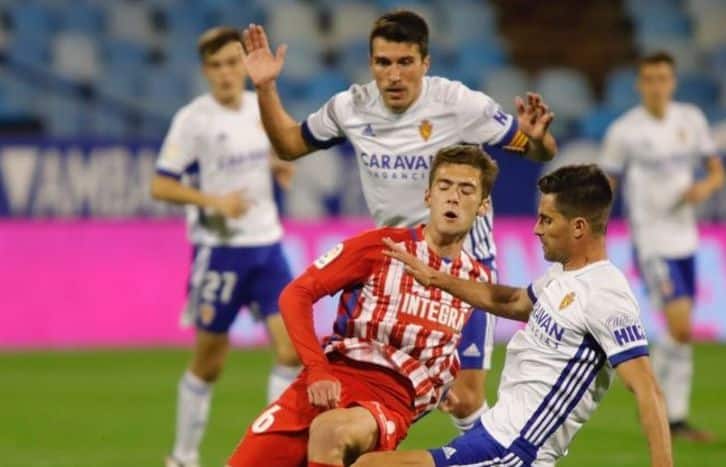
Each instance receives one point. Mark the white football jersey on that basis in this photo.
(658, 158)
(557, 369)
(222, 150)
(395, 150)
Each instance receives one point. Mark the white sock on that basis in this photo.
(468, 422)
(280, 378)
(192, 412)
(673, 365)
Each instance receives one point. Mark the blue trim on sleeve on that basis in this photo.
(625, 355)
(168, 173)
(318, 143)
(530, 292)
(507, 138)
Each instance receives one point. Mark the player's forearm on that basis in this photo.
(500, 300)
(282, 130)
(715, 173)
(651, 408)
(542, 150)
(296, 308)
(172, 191)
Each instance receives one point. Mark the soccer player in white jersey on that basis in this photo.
(396, 123)
(583, 326)
(218, 143)
(657, 146)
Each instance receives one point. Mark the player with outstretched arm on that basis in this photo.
(396, 123)
(583, 326)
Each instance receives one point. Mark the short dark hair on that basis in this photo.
(401, 26)
(657, 58)
(214, 39)
(467, 154)
(580, 191)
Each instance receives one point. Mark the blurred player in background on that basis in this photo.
(583, 325)
(218, 142)
(393, 349)
(396, 123)
(658, 146)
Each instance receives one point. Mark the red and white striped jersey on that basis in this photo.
(387, 318)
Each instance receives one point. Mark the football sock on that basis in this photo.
(192, 413)
(468, 422)
(673, 365)
(280, 378)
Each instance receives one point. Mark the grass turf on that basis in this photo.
(116, 409)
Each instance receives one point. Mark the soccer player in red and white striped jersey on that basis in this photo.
(392, 354)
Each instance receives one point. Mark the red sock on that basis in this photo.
(320, 464)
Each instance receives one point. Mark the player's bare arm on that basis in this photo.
(637, 375)
(501, 300)
(534, 118)
(701, 190)
(171, 190)
(283, 171)
(263, 68)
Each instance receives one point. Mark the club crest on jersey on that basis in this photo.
(329, 256)
(567, 300)
(368, 131)
(206, 313)
(425, 129)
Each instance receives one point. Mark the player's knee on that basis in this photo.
(208, 370)
(469, 400)
(681, 334)
(330, 431)
(286, 355)
(371, 459)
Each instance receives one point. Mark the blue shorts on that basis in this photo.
(668, 278)
(477, 338)
(476, 447)
(226, 278)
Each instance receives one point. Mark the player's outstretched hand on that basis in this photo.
(233, 204)
(534, 116)
(262, 66)
(420, 271)
(324, 394)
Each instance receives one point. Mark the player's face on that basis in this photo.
(553, 230)
(225, 72)
(455, 199)
(398, 69)
(656, 84)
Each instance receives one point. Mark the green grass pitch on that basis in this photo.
(116, 409)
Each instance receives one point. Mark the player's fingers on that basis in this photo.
(392, 245)
(281, 52)
(255, 36)
(247, 41)
(263, 37)
(519, 104)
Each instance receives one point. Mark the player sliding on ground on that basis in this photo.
(583, 325)
(396, 123)
(392, 353)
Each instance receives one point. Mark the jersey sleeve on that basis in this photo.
(484, 122)
(705, 142)
(613, 320)
(180, 147)
(322, 129)
(612, 159)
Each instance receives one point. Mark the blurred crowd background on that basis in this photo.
(95, 70)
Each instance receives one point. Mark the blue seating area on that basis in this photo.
(142, 55)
